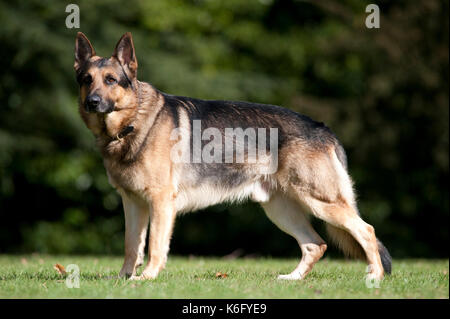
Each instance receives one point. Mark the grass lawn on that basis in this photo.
(33, 276)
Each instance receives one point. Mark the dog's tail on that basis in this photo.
(352, 248)
(386, 259)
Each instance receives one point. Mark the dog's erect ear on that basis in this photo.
(83, 50)
(125, 54)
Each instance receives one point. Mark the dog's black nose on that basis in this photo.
(92, 101)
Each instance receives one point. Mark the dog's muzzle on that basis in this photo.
(94, 104)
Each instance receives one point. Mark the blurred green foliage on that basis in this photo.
(383, 91)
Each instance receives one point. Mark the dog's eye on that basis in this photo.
(87, 79)
(110, 80)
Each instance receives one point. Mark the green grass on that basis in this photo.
(33, 276)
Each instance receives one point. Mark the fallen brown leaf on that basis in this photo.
(60, 269)
(221, 275)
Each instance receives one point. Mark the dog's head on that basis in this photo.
(108, 86)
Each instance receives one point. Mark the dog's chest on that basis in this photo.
(128, 177)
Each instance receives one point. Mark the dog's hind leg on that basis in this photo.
(345, 217)
(287, 215)
(329, 196)
(136, 225)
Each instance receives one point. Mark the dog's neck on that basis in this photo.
(131, 139)
(124, 132)
(127, 129)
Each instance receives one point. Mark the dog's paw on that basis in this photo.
(375, 277)
(125, 274)
(143, 276)
(293, 276)
(135, 278)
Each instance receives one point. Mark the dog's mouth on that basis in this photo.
(102, 107)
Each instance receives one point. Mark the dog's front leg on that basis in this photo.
(136, 224)
(162, 218)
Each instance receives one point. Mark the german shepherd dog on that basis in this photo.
(134, 125)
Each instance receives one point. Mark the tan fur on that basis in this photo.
(152, 181)
(326, 191)
(289, 216)
(136, 224)
(345, 242)
(309, 179)
(125, 104)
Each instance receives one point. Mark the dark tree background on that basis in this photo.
(385, 92)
